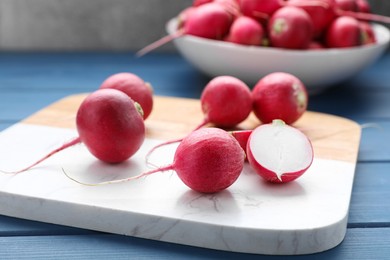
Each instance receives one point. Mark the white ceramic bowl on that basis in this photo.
(318, 69)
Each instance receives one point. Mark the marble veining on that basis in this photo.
(307, 216)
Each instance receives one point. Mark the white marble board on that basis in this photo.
(305, 216)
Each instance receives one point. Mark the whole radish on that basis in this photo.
(363, 6)
(279, 95)
(110, 125)
(183, 16)
(135, 87)
(344, 32)
(246, 31)
(208, 160)
(290, 27)
(278, 152)
(225, 102)
(325, 11)
(210, 20)
(321, 14)
(347, 5)
(260, 10)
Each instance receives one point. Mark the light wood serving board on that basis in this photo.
(305, 216)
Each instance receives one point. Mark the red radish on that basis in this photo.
(347, 5)
(321, 15)
(259, 9)
(201, 2)
(225, 102)
(183, 15)
(135, 87)
(290, 27)
(315, 45)
(110, 125)
(242, 137)
(211, 20)
(367, 33)
(246, 31)
(363, 6)
(279, 95)
(344, 32)
(208, 160)
(278, 152)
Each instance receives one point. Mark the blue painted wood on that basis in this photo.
(369, 204)
(358, 244)
(31, 81)
(375, 141)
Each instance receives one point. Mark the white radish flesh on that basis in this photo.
(279, 152)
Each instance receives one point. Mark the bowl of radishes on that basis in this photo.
(322, 42)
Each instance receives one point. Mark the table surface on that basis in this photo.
(32, 81)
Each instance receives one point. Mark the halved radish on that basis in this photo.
(278, 152)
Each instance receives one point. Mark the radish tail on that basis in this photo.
(204, 122)
(159, 43)
(365, 16)
(63, 147)
(161, 169)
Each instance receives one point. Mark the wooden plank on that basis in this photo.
(374, 146)
(358, 244)
(332, 137)
(369, 203)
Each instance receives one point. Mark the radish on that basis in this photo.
(347, 5)
(135, 87)
(344, 32)
(183, 15)
(200, 2)
(225, 102)
(367, 33)
(110, 125)
(242, 137)
(279, 95)
(290, 27)
(316, 45)
(260, 10)
(278, 152)
(363, 6)
(208, 160)
(321, 14)
(210, 20)
(246, 31)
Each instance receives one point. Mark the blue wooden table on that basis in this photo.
(31, 81)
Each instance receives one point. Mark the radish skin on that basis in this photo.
(290, 27)
(110, 125)
(246, 31)
(208, 160)
(344, 32)
(210, 20)
(279, 95)
(135, 87)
